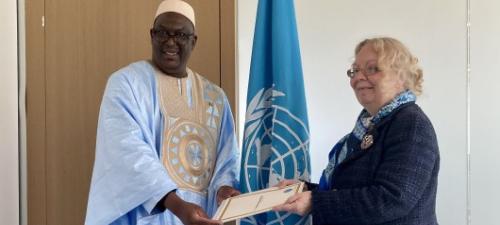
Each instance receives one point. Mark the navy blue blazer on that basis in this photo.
(392, 182)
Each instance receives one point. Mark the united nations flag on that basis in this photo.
(276, 136)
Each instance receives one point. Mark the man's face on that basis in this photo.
(173, 39)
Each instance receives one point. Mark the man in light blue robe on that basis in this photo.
(166, 150)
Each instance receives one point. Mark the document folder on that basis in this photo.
(253, 203)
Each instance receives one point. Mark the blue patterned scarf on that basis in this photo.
(340, 151)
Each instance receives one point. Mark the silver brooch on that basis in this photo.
(367, 141)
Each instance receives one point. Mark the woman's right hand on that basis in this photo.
(188, 213)
(299, 203)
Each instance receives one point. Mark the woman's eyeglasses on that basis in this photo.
(367, 71)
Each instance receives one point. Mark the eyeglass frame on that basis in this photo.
(367, 71)
(162, 35)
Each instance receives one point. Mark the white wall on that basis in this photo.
(9, 180)
(435, 31)
(485, 111)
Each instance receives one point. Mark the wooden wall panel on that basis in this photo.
(35, 110)
(228, 52)
(205, 58)
(67, 151)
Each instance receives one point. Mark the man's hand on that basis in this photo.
(299, 204)
(226, 192)
(188, 213)
(191, 214)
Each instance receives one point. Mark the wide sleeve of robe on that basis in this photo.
(127, 171)
(227, 166)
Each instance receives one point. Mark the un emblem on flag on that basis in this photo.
(276, 147)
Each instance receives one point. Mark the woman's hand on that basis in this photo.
(226, 192)
(188, 213)
(299, 204)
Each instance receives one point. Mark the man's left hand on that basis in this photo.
(226, 192)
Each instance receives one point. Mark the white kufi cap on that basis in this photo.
(176, 6)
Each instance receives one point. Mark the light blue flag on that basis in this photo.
(276, 136)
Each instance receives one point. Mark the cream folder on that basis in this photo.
(253, 203)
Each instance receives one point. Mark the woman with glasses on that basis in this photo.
(385, 171)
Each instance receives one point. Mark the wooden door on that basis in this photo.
(72, 48)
